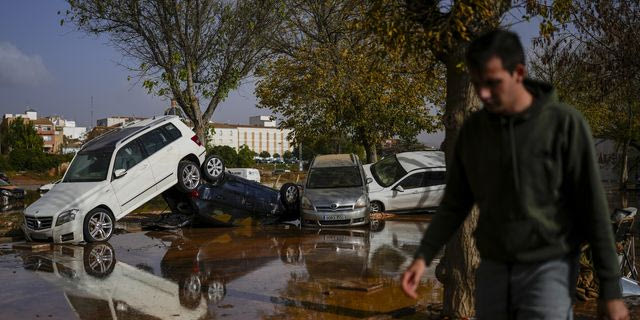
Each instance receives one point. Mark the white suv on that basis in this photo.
(113, 175)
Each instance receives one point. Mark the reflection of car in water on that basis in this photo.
(203, 265)
(336, 254)
(96, 285)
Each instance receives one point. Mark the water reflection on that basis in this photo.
(245, 272)
(96, 285)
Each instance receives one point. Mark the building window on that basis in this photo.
(46, 138)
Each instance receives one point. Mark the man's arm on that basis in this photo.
(590, 203)
(454, 208)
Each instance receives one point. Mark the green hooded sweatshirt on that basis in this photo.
(535, 178)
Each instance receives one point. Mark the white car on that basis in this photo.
(113, 175)
(407, 181)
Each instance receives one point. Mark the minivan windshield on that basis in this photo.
(387, 171)
(89, 167)
(334, 177)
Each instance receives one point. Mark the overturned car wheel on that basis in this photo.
(213, 168)
(188, 176)
(290, 194)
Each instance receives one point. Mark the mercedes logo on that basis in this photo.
(38, 224)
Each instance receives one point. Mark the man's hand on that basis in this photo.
(411, 277)
(613, 310)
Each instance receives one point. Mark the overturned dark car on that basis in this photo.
(229, 200)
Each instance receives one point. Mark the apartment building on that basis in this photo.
(262, 134)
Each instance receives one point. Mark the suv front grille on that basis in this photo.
(335, 208)
(39, 223)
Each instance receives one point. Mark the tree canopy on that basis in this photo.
(195, 52)
(331, 78)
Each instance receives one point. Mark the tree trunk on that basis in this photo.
(370, 150)
(461, 256)
(624, 164)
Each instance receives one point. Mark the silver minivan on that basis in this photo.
(335, 193)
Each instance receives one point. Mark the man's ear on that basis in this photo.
(520, 72)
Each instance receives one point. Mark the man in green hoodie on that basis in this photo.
(528, 162)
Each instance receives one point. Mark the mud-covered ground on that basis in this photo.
(253, 272)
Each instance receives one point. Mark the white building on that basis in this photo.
(69, 128)
(263, 136)
(29, 114)
(112, 121)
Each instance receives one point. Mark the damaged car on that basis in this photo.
(10, 192)
(229, 200)
(114, 174)
(407, 182)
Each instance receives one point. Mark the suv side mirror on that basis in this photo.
(369, 180)
(399, 188)
(119, 173)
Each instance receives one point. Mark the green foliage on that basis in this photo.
(265, 154)
(245, 157)
(35, 160)
(287, 155)
(226, 153)
(5, 165)
(276, 155)
(23, 135)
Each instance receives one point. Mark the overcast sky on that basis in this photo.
(56, 70)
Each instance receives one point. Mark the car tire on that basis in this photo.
(98, 225)
(213, 168)
(376, 225)
(189, 293)
(376, 207)
(99, 259)
(188, 176)
(290, 194)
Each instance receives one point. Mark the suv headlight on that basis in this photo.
(66, 216)
(362, 202)
(306, 204)
(5, 193)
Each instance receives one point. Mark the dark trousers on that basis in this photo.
(542, 290)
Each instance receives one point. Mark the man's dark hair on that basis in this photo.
(497, 43)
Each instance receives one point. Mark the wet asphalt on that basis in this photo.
(251, 272)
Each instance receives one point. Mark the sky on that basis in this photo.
(57, 70)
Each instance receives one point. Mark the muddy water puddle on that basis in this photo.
(234, 273)
(255, 272)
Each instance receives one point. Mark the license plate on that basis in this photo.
(335, 238)
(336, 217)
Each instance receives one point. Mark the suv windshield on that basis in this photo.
(334, 177)
(387, 171)
(88, 167)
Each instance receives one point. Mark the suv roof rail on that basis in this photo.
(155, 121)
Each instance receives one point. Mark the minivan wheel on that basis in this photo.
(98, 225)
(376, 207)
(213, 168)
(188, 176)
(290, 194)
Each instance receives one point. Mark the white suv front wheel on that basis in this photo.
(98, 225)
(188, 176)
